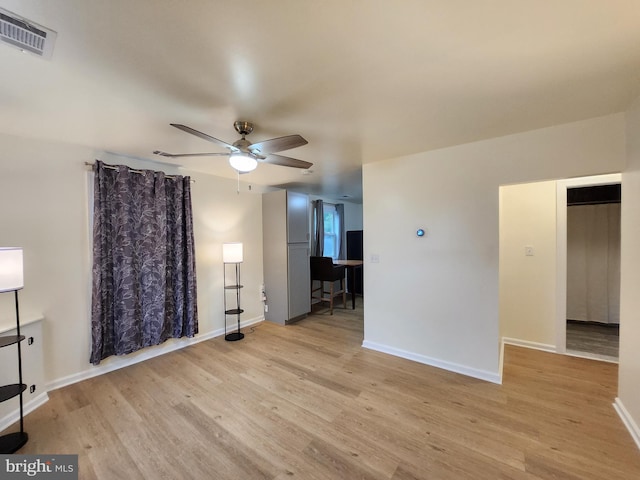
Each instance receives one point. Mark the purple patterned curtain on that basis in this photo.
(144, 272)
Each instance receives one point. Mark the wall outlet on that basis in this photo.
(375, 258)
(266, 308)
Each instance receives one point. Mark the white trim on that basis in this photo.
(501, 360)
(118, 362)
(552, 349)
(628, 421)
(591, 356)
(12, 417)
(492, 377)
(23, 323)
(561, 266)
(545, 347)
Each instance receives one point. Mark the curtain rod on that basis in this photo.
(132, 170)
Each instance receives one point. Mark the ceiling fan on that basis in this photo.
(244, 155)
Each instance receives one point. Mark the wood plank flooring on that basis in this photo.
(306, 401)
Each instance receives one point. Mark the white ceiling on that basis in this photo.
(361, 80)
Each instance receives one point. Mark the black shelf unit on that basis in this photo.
(13, 442)
(7, 392)
(10, 340)
(237, 311)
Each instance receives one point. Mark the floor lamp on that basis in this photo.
(11, 280)
(232, 254)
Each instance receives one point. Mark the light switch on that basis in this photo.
(528, 250)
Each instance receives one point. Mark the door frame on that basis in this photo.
(561, 247)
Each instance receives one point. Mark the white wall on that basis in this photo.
(527, 288)
(435, 299)
(352, 216)
(629, 370)
(44, 193)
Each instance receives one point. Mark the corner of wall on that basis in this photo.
(628, 421)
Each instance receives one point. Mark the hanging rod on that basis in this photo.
(132, 170)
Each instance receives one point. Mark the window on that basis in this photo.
(328, 229)
(332, 232)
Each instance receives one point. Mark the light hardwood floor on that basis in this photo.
(306, 401)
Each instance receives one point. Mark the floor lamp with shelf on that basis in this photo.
(232, 256)
(11, 280)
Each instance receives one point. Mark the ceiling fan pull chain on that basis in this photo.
(238, 173)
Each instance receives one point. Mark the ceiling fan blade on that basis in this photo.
(178, 155)
(278, 144)
(204, 136)
(286, 161)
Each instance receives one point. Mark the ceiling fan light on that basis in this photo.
(242, 162)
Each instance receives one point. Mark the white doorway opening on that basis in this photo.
(561, 241)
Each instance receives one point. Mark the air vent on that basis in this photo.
(26, 35)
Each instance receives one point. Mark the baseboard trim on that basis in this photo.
(12, 417)
(117, 362)
(545, 347)
(628, 421)
(434, 362)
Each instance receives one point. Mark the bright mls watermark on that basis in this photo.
(50, 467)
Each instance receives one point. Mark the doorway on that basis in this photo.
(533, 262)
(593, 271)
(588, 277)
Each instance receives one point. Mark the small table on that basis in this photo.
(351, 267)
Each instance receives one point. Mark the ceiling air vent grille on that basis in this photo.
(26, 35)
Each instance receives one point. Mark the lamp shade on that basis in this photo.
(232, 252)
(11, 277)
(243, 163)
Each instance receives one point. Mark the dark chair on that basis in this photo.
(323, 270)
